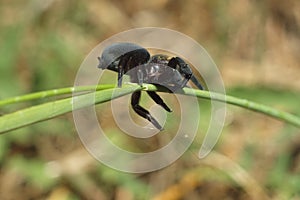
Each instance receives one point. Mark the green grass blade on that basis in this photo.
(53, 109)
(281, 115)
(50, 110)
(51, 93)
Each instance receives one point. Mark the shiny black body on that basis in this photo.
(134, 60)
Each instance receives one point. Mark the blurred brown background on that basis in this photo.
(256, 46)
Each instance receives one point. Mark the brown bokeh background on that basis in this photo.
(256, 46)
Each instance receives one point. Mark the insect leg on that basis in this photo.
(135, 99)
(185, 70)
(121, 69)
(158, 100)
(140, 76)
(196, 82)
(120, 75)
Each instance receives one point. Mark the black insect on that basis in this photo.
(134, 60)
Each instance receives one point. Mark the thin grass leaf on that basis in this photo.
(257, 107)
(53, 109)
(51, 93)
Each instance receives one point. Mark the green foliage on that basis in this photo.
(32, 171)
(10, 40)
(129, 181)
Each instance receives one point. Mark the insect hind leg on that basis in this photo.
(159, 100)
(135, 99)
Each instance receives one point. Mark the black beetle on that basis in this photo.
(172, 73)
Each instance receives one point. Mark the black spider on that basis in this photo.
(172, 73)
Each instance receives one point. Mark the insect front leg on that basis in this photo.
(140, 77)
(120, 75)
